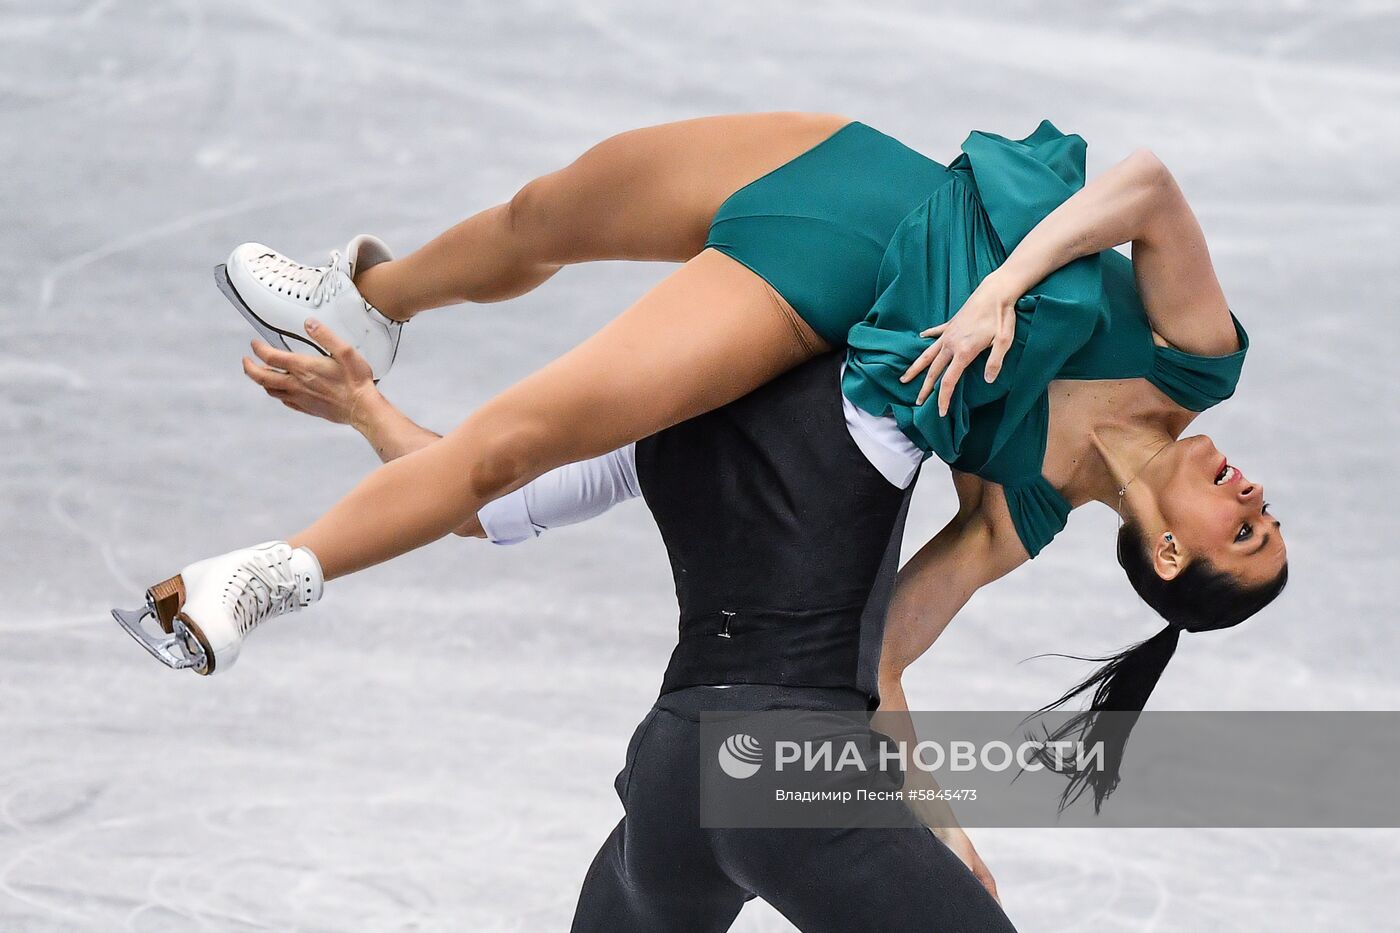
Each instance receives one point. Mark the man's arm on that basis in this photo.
(389, 431)
(568, 495)
(341, 389)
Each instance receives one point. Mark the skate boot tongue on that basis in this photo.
(326, 283)
(365, 252)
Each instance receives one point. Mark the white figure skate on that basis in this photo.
(276, 295)
(204, 613)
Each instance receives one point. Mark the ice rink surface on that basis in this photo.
(432, 748)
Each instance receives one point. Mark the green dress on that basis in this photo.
(1084, 321)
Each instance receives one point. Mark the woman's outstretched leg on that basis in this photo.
(646, 194)
(708, 334)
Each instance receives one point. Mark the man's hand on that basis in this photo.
(341, 389)
(335, 388)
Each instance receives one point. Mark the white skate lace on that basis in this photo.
(316, 284)
(260, 592)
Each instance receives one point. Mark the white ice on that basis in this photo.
(433, 747)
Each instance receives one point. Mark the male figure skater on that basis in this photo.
(782, 513)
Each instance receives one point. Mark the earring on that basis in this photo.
(1169, 537)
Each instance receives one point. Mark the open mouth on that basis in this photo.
(1226, 474)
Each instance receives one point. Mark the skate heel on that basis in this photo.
(166, 599)
(161, 628)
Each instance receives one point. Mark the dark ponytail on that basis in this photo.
(1200, 598)
(1121, 686)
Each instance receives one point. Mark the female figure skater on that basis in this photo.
(798, 233)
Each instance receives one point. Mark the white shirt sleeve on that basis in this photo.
(571, 494)
(887, 448)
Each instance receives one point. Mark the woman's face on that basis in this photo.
(1215, 512)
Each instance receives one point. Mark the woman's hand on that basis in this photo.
(335, 388)
(938, 816)
(956, 839)
(986, 319)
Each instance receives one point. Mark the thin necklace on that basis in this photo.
(1123, 490)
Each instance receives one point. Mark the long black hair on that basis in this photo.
(1200, 598)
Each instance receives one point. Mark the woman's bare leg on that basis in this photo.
(708, 334)
(646, 194)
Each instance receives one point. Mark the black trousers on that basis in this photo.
(660, 872)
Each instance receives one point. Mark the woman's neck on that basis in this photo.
(1102, 435)
(1124, 450)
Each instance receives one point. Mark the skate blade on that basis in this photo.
(176, 648)
(274, 336)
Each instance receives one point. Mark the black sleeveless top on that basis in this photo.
(783, 538)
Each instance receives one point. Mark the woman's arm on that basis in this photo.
(976, 547)
(1136, 201)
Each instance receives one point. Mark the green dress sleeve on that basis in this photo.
(1197, 382)
(1037, 510)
